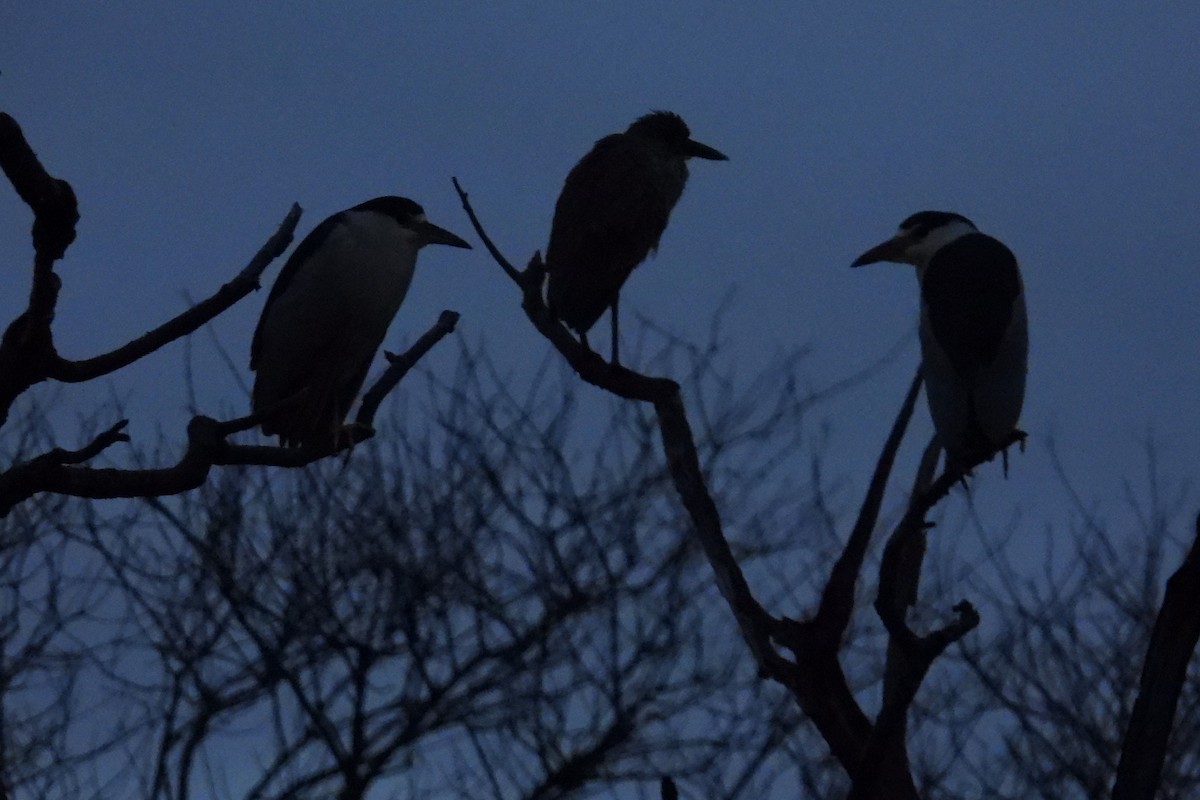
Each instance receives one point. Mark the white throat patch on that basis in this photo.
(919, 253)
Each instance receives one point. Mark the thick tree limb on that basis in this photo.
(58, 470)
(1172, 644)
(872, 752)
(246, 281)
(27, 352)
(678, 445)
(51, 199)
(818, 681)
(26, 344)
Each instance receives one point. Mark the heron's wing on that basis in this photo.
(329, 374)
(969, 292)
(299, 256)
(611, 213)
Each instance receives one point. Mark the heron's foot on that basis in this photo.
(1017, 437)
(348, 435)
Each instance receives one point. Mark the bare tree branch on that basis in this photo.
(1172, 644)
(58, 471)
(401, 364)
(910, 655)
(243, 283)
(27, 344)
(51, 199)
(678, 445)
(837, 601)
(28, 355)
(27, 352)
(818, 680)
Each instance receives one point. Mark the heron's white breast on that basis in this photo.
(348, 291)
(358, 276)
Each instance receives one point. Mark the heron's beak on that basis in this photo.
(432, 234)
(694, 149)
(891, 250)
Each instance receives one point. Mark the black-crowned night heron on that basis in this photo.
(974, 334)
(328, 312)
(613, 209)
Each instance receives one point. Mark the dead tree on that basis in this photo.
(872, 751)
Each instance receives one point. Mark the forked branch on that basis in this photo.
(27, 352)
(678, 444)
(59, 470)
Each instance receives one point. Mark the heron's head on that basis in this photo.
(668, 129)
(411, 216)
(919, 237)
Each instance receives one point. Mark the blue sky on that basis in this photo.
(1069, 131)
(188, 129)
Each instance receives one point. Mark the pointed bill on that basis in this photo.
(696, 149)
(432, 234)
(891, 250)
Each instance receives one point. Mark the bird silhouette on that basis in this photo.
(973, 328)
(328, 312)
(613, 209)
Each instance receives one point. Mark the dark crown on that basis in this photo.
(400, 209)
(665, 126)
(922, 222)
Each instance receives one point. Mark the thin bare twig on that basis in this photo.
(243, 283)
(401, 364)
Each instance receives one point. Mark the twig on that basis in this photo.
(401, 364)
(243, 283)
(98, 445)
(506, 265)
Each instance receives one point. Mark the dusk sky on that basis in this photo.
(1068, 131)
(1072, 137)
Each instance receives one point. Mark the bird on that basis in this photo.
(328, 312)
(973, 330)
(611, 213)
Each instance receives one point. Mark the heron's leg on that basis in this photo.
(616, 359)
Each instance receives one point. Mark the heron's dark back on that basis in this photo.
(613, 210)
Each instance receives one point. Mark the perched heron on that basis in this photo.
(328, 312)
(974, 335)
(612, 211)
